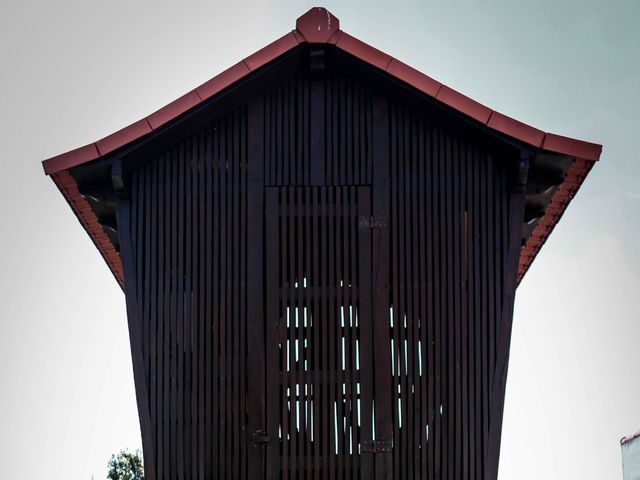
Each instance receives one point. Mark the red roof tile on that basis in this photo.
(464, 104)
(222, 80)
(571, 146)
(124, 136)
(363, 51)
(271, 51)
(516, 129)
(70, 159)
(320, 26)
(413, 77)
(174, 109)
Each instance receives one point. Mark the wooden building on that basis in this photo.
(319, 249)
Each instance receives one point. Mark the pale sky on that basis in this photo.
(72, 72)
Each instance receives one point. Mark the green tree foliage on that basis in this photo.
(126, 466)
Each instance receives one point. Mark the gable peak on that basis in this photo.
(318, 25)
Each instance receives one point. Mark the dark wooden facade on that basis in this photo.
(320, 265)
(321, 279)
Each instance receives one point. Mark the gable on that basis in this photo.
(559, 164)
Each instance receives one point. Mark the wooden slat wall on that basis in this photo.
(449, 238)
(189, 235)
(403, 223)
(348, 132)
(322, 357)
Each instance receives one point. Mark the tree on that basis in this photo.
(126, 466)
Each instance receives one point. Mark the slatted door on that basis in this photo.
(319, 336)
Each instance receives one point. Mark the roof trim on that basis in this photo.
(629, 438)
(67, 185)
(319, 26)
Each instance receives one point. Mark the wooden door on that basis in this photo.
(319, 359)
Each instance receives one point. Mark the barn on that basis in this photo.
(320, 249)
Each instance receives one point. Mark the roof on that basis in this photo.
(319, 26)
(629, 438)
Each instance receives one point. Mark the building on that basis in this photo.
(319, 249)
(631, 457)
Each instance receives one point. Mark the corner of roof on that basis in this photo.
(629, 438)
(318, 25)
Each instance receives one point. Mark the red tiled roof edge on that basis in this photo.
(554, 211)
(319, 26)
(69, 189)
(629, 438)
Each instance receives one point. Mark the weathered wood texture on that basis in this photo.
(332, 315)
(319, 352)
(190, 246)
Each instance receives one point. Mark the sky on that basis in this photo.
(72, 72)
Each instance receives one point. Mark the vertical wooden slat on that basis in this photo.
(190, 153)
(273, 331)
(366, 323)
(516, 204)
(308, 336)
(317, 139)
(379, 127)
(316, 284)
(399, 308)
(152, 250)
(415, 319)
(236, 317)
(123, 214)
(255, 366)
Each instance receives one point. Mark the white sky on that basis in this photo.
(72, 72)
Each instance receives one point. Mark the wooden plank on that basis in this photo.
(339, 330)
(317, 131)
(172, 343)
(440, 277)
(427, 333)
(255, 364)
(456, 221)
(188, 349)
(326, 427)
(316, 284)
(204, 381)
(288, 309)
(380, 161)
(166, 364)
(297, 251)
(416, 294)
(197, 152)
(273, 388)
(516, 215)
(214, 292)
(153, 235)
(366, 323)
(476, 222)
(123, 214)
(331, 328)
(351, 332)
(400, 309)
(308, 336)
(179, 309)
(237, 412)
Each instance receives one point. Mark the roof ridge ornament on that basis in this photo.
(318, 25)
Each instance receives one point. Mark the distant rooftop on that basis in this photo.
(629, 438)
